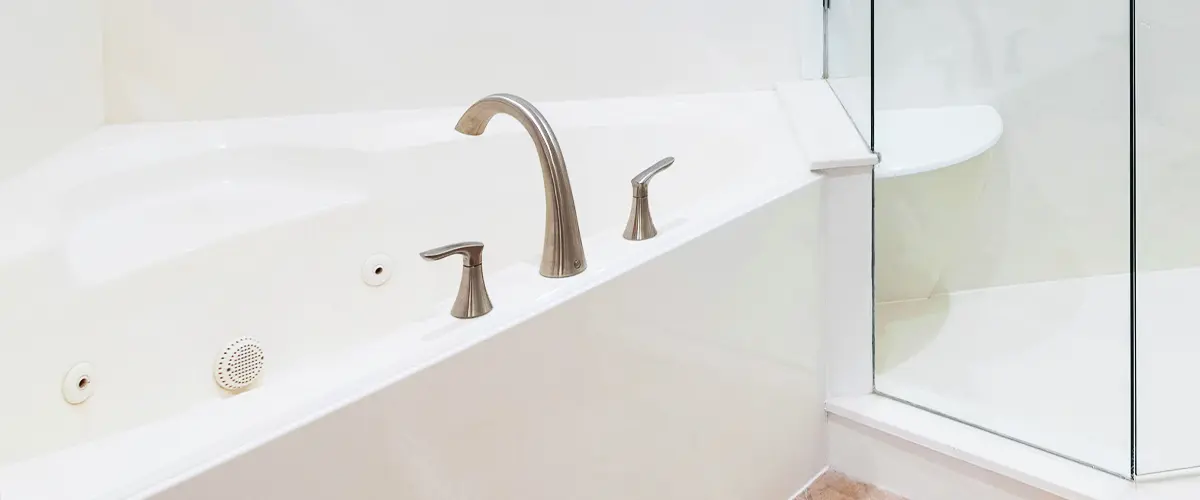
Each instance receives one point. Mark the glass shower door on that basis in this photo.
(1168, 237)
(1003, 216)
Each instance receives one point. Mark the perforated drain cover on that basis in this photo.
(240, 364)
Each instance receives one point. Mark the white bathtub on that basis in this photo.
(686, 365)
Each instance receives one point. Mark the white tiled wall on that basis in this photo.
(50, 77)
(1052, 199)
(177, 59)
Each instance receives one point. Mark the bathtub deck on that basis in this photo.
(1050, 364)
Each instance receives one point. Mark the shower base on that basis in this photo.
(1051, 364)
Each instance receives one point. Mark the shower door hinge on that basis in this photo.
(825, 38)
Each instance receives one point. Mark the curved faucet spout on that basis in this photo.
(562, 249)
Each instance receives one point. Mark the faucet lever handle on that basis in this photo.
(472, 300)
(472, 252)
(640, 225)
(641, 181)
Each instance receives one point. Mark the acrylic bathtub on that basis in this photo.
(685, 365)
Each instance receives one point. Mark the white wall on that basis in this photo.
(1052, 199)
(50, 77)
(181, 59)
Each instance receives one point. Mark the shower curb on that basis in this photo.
(931, 438)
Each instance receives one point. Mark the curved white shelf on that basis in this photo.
(918, 140)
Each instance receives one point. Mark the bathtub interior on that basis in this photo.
(170, 240)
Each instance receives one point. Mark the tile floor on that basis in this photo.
(834, 485)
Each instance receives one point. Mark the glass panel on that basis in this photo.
(1168, 241)
(848, 58)
(1002, 207)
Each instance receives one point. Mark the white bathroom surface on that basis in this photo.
(96, 225)
(918, 140)
(1050, 364)
(829, 143)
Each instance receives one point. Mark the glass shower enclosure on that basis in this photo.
(1037, 222)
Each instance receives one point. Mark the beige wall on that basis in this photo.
(51, 77)
(179, 60)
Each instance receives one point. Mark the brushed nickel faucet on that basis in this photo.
(562, 248)
(472, 300)
(640, 225)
